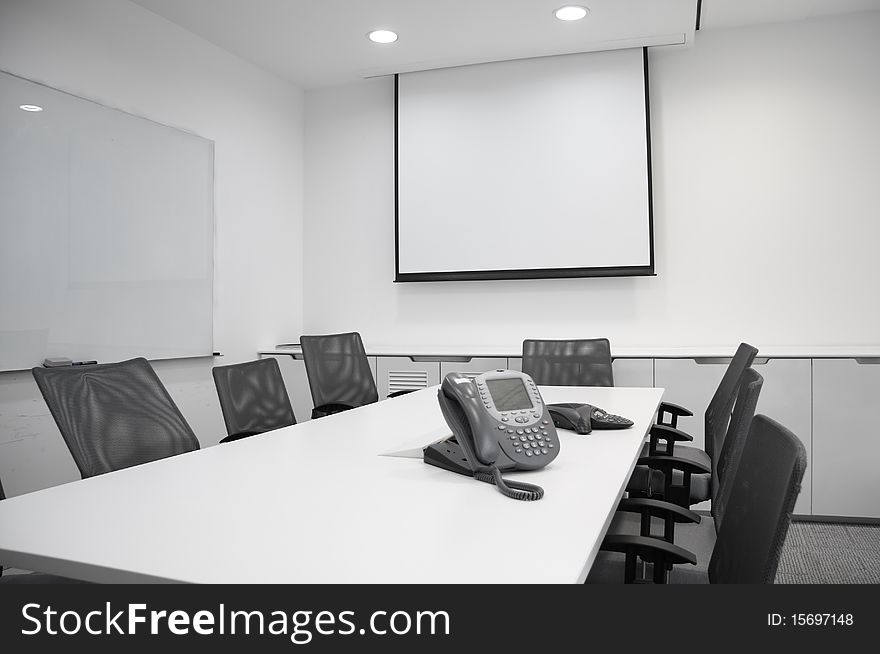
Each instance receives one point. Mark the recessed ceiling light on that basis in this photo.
(29, 107)
(382, 36)
(571, 12)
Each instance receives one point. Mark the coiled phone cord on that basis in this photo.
(517, 490)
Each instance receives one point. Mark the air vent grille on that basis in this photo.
(407, 380)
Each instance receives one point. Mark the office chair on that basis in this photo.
(114, 415)
(704, 486)
(339, 373)
(763, 492)
(585, 362)
(647, 517)
(253, 398)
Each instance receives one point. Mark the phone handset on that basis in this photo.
(477, 440)
(463, 407)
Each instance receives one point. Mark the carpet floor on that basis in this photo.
(830, 553)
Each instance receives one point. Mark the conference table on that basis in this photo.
(341, 499)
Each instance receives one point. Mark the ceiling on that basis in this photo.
(315, 43)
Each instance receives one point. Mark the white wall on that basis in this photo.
(765, 143)
(126, 57)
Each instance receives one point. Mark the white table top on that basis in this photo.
(318, 503)
(623, 352)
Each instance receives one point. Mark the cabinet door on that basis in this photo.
(633, 372)
(405, 373)
(846, 446)
(627, 372)
(786, 397)
(472, 366)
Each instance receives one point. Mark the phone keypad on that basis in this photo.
(531, 443)
(535, 447)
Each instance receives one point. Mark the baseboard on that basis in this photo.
(851, 520)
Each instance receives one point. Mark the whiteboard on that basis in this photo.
(106, 232)
(526, 168)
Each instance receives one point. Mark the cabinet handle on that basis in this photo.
(437, 359)
(868, 361)
(707, 361)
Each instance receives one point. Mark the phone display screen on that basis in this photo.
(509, 394)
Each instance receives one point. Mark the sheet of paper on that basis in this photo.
(414, 446)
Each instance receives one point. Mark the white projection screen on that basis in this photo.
(106, 232)
(531, 168)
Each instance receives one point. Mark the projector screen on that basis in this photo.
(531, 168)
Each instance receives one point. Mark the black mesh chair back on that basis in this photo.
(721, 405)
(253, 398)
(114, 415)
(585, 362)
(764, 490)
(338, 370)
(737, 432)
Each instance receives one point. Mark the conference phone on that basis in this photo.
(583, 418)
(499, 423)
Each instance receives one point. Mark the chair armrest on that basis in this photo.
(399, 393)
(659, 552)
(624, 543)
(670, 514)
(667, 434)
(658, 509)
(675, 412)
(677, 493)
(329, 409)
(669, 463)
